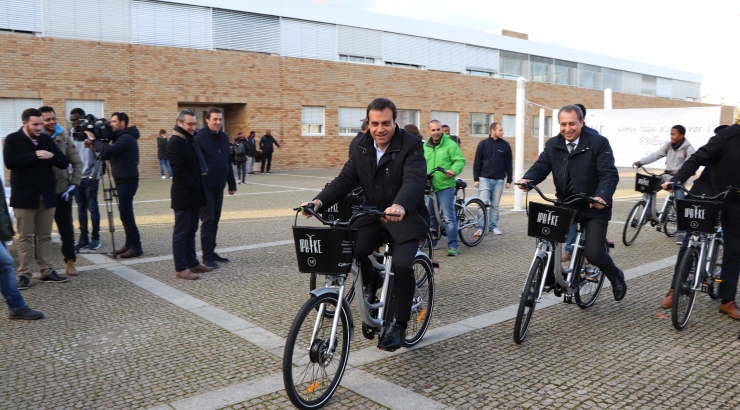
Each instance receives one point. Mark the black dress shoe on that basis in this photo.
(392, 339)
(619, 286)
(25, 314)
(218, 258)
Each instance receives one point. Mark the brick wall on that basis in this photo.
(260, 92)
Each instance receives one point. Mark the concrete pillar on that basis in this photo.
(608, 99)
(541, 145)
(521, 102)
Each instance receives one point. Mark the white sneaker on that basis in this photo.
(496, 231)
(164, 177)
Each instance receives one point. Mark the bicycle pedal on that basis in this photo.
(368, 332)
(568, 299)
(704, 288)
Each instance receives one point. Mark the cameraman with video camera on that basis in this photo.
(123, 150)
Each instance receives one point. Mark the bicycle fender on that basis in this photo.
(541, 254)
(345, 306)
(470, 198)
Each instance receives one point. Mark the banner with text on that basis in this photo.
(634, 133)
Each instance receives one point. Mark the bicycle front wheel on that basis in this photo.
(312, 372)
(634, 224)
(670, 221)
(684, 293)
(474, 217)
(426, 246)
(590, 281)
(528, 300)
(423, 303)
(349, 284)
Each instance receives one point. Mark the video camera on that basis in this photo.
(100, 128)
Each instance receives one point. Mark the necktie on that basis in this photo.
(569, 181)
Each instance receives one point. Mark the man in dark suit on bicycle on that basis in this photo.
(582, 161)
(388, 162)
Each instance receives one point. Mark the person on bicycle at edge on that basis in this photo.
(720, 157)
(676, 152)
(582, 161)
(388, 162)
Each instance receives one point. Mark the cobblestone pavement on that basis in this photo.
(127, 334)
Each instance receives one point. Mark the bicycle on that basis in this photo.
(580, 281)
(701, 265)
(644, 210)
(318, 343)
(471, 213)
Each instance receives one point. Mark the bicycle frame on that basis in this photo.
(650, 200)
(550, 251)
(438, 211)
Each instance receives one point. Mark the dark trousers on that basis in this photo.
(65, 226)
(266, 159)
(126, 194)
(241, 170)
(209, 216)
(81, 197)
(594, 249)
(369, 238)
(183, 238)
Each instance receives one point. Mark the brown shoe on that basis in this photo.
(730, 308)
(131, 253)
(566, 257)
(71, 270)
(187, 275)
(201, 269)
(122, 250)
(667, 301)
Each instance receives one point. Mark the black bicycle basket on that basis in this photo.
(549, 222)
(646, 183)
(346, 206)
(698, 216)
(324, 249)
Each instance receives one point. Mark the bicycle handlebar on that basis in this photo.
(569, 200)
(438, 169)
(642, 167)
(309, 208)
(723, 194)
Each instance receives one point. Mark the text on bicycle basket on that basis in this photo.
(547, 218)
(310, 245)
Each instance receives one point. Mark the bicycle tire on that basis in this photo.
(670, 220)
(349, 287)
(309, 375)
(469, 221)
(714, 268)
(590, 279)
(633, 223)
(424, 298)
(684, 294)
(527, 302)
(426, 247)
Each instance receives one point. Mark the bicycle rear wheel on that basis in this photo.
(634, 224)
(684, 293)
(423, 304)
(590, 281)
(474, 215)
(528, 300)
(426, 246)
(670, 221)
(311, 373)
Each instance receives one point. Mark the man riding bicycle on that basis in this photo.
(388, 162)
(582, 161)
(676, 152)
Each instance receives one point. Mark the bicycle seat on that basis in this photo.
(460, 184)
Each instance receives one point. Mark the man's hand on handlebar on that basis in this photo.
(668, 186)
(636, 164)
(522, 184)
(316, 206)
(598, 205)
(394, 209)
(449, 173)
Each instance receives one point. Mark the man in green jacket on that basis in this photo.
(441, 151)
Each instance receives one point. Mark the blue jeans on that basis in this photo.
(8, 282)
(571, 239)
(490, 190)
(241, 170)
(165, 163)
(126, 194)
(183, 238)
(446, 200)
(83, 206)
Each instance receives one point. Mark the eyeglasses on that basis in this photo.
(190, 123)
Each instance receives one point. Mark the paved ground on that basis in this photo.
(127, 334)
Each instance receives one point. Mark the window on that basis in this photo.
(536, 126)
(481, 73)
(539, 69)
(355, 41)
(565, 72)
(509, 124)
(404, 49)
(158, 23)
(611, 79)
(406, 117)
(237, 30)
(481, 60)
(589, 76)
(357, 59)
(665, 87)
(649, 85)
(312, 120)
(308, 39)
(480, 124)
(21, 16)
(94, 107)
(632, 83)
(10, 113)
(392, 64)
(445, 56)
(350, 120)
(513, 65)
(448, 118)
(62, 19)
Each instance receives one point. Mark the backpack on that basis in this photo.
(240, 149)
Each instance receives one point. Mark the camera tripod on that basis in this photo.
(101, 164)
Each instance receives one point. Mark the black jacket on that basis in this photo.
(31, 177)
(493, 160)
(251, 147)
(591, 166)
(217, 155)
(6, 226)
(399, 178)
(161, 148)
(721, 156)
(124, 155)
(266, 143)
(188, 188)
